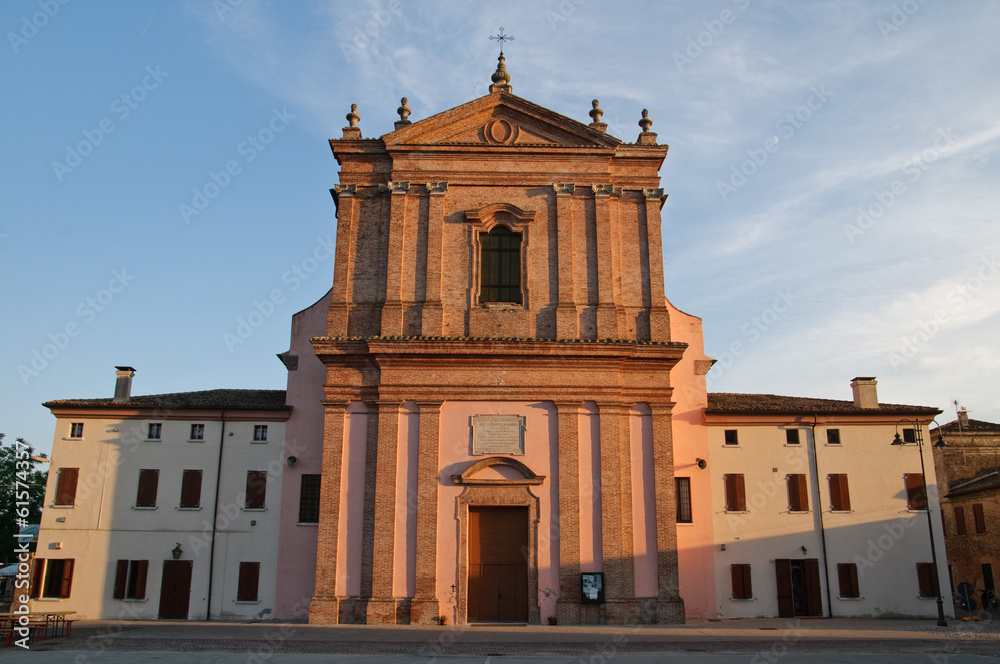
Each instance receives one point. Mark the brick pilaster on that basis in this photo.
(567, 314)
(325, 606)
(392, 310)
(607, 315)
(425, 608)
(343, 269)
(659, 321)
(431, 319)
(382, 606)
(568, 523)
(669, 605)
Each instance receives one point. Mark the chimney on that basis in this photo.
(963, 418)
(123, 385)
(864, 392)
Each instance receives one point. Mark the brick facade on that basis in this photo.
(406, 325)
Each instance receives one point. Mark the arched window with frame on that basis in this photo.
(500, 266)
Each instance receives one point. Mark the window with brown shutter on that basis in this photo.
(735, 493)
(246, 590)
(37, 577)
(66, 486)
(960, 520)
(798, 493)
(57, 581)
(742, 587)
(927, 580)
(979, 517)
(191, 488)
(130, 579)
(916, 497)
(145, 496)
(256, 489)
(847, 574)
(840, 495)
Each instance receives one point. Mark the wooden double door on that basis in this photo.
(498, 565)
(175, 589)
(799, 591)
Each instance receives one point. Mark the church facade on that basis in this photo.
(496, 364)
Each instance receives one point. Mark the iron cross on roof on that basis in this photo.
(501, 37)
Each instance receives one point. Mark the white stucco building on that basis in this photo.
(816, 513)
(127, 528)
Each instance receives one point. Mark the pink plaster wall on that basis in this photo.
(540, 445)
(694, 541)
(303, 440)
(643, 501)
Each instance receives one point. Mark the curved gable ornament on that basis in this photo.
(488, 213)
(528, 477)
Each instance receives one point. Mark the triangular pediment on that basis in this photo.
(500, 119)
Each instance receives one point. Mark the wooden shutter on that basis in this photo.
(960, 520)
(141, 572)
(813, 593)
(67, 578)
(742, 585)
(735, 493)
(256, 489)
(121, 578)
(916, 499)
(847, 574)
(840, 495)
(247, 587)
(783, 575)
(37, 578)
(979, 517)
(798, 493)
(191, 488)
(926, 580)
(148, 480)
(66, 486)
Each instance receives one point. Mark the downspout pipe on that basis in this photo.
(215, 519)
(819, 510)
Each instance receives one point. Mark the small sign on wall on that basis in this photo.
(498, 434)
(592, 588)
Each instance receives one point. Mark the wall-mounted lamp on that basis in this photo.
(723, 547)
(804, 550)
(702, 463)
(291, 461)
(176, 553)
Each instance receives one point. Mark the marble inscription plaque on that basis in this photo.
(498, 434)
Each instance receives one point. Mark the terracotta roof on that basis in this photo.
(990, 480)
(973, 425)
(203, 400)
(773, 404)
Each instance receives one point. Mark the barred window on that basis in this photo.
(683, 499)
(309, 499)
(500, 267)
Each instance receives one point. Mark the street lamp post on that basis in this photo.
(930, 528)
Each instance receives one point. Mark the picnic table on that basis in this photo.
(43, 624)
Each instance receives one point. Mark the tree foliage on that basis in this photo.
(22, 491)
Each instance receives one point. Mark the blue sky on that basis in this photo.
(833, 178)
